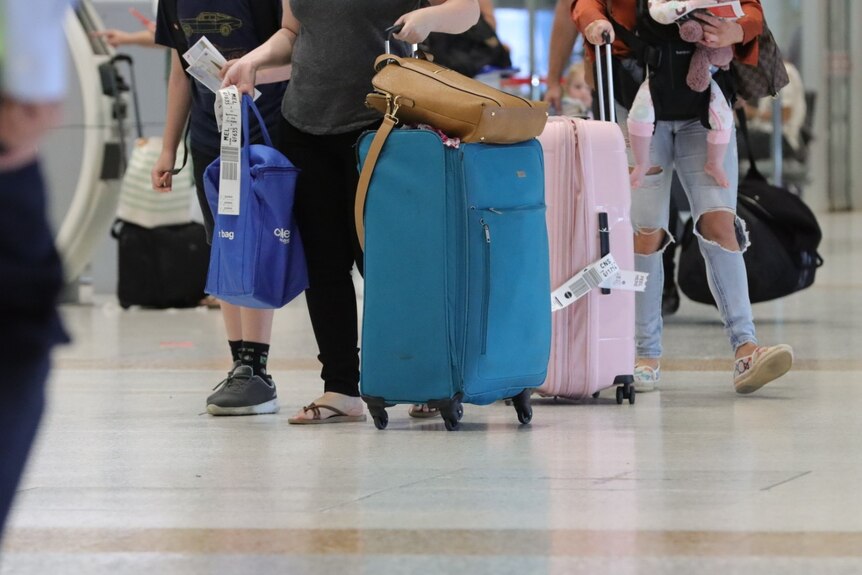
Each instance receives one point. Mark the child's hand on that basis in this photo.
(161, 176)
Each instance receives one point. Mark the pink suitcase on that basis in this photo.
(588, 197)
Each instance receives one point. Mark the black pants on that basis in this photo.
(20, 412)
(29, 323)
(325, 192)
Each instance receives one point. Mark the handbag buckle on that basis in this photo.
(392, 106)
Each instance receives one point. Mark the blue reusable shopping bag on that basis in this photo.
(257, 258)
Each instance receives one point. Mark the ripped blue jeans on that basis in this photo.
(681, 146)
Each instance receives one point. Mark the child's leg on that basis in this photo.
(718, 137)
(641, 123)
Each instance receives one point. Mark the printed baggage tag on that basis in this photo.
(604, 273)
(591, 277)
(228, 107)
(627, 281)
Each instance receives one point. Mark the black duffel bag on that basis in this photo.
(782, 258)
(161, 267)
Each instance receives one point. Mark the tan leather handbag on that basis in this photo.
(417, 91)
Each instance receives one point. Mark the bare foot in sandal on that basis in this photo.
(331, 408)
(422, 411)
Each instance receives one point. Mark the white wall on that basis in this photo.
(815, 69)
(814, 75)
(856, 54)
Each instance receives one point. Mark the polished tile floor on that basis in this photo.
(131, 476)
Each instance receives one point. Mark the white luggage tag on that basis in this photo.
(627, 281)
(604, 273)
(228, 110)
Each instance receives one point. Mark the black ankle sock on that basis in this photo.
(255, 355)
(235, 349)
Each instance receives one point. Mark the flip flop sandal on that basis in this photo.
(337, 417)
(210, 302)
(419, 411)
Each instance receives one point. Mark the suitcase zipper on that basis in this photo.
(486, 287)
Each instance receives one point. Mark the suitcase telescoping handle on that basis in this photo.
(600, 83)
(604, 225)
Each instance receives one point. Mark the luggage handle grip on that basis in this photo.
(392, 30)
(600, 83)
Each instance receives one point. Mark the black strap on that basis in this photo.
(188, 129)
(645, 53)
(178, 38)
(753, 170)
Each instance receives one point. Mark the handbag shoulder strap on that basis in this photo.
(365, 175)
(645, 53)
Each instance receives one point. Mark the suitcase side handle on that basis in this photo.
(604, 240)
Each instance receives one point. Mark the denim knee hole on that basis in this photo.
(742, 236)
(668, 238)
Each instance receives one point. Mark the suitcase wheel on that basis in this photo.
(597, 394)
(626, 391)
(381, 421)
(380, 417)
(522, 405)
(452, 412)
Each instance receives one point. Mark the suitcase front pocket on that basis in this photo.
(512, 291)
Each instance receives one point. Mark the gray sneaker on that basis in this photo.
(243, 393)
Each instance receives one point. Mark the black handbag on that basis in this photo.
(161, 267)
(782, 258)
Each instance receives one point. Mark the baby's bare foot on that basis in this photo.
(716, 171)
(636, 177)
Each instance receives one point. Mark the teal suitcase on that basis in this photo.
(457, 304)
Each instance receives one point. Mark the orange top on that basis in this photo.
(585, 12)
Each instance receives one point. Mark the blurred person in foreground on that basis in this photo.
(32, 86)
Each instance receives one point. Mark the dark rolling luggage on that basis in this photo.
(161, 267)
